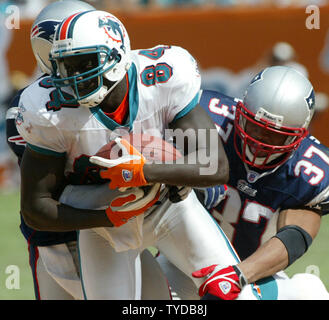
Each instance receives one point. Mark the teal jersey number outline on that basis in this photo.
(159, 73)
(55, 104)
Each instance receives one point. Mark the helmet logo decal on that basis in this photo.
(258, 77)
(112, 28)
(45, 30)
(310, 100)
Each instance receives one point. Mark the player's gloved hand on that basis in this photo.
(178, 193)
(226, 284)
(126, 171)
(212, 196)
(131, 203)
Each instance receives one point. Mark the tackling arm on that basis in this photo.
(42, 180)
(297, 228)
(276, 254)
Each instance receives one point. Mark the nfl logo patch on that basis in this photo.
(252, 176)
(127, 175)
(225, 287)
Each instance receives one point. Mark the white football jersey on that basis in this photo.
(164, 84)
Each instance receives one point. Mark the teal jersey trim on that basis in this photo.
(268, 289)
(188, 108)
(133, 104)
(80, 266)
(46, 151)
(228, 243)
(133, 94)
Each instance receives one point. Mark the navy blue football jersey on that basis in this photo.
(17, 145)
(256, 197)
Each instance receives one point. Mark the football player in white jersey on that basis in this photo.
(100, 91)
(53, 256)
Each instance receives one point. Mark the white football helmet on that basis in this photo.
(280, 102)
(101, 42)
(44, 27)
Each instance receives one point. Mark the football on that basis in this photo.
(151, 147)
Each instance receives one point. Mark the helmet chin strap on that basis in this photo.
(95, 99)
(260, 160)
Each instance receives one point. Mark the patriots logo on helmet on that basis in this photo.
(258, 77)
(310, 100)
(45, 30)
(113, 29)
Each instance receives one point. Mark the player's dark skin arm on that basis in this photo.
(272, 256)
(42, 180)
(202, 145)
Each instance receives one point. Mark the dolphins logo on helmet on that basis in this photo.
(112, 28)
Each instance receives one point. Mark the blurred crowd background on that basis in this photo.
(231, 39)
(30, 7)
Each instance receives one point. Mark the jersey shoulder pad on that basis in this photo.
(35, 122)
(168, 79)
(310, 167)
(14, 140)
(219, 106)
(165, 65)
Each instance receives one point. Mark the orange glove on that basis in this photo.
(126, 171)
(132, 203)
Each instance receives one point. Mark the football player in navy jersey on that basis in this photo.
(279, 176)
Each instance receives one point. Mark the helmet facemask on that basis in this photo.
(256, 153)
(86, 81)
(90, 56)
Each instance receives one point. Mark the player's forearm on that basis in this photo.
(192, 172)
(50, 215)
(266, 261)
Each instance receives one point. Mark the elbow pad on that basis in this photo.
(296, 240)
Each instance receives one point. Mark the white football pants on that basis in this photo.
(184, 232)
(55, 271)
(302, 286)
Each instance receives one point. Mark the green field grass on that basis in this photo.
(13, 252)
